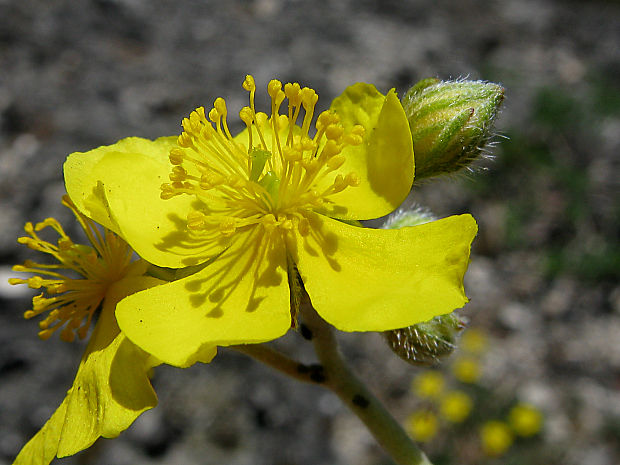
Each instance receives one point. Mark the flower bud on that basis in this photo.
(404, 216)
(450, 122)
(426, 343)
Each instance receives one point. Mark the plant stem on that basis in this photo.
(334, 374)
(354, 393)
(282, 363)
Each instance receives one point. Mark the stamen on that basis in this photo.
(72, 301)
(278, 177)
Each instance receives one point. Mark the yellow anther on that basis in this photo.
(287, 225)
(355, 135)
(45, 223)
(323, 120)
(307, 143)
(67, 334)
(46, 334)
(283, 121)
(308, 97)
(249, 84)
(35, 282)
(358, 130)
(245, 114)
(220, 106)
(184, 140)
(291, 154)
(24, 240)
(279, 98)
(269, 220)
(195, 220)
(353, 139)
(176, 156)
(336, 162)
(214, 115)
(178, 174)
(200, 111)
(261, 119)
(64, 243)
(227, 226)
(331, 149)
(352, 179)
(167, 191)
(311, 166)
(339, 183)
(334, 132)
(195, 121)
(82, 332)
(57, 288)
(212, 179)
(292, 92)
(273, 88)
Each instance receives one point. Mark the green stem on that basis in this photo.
(335, 375)
(282, 363)
(354, 393)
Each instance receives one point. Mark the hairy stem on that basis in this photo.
(334, 374)
(354, 393)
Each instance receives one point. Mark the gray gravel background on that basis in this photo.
(544, 276)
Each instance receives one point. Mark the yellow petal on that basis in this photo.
(361, 279)
(242, 297)
(43, 447)
(121, 190)
(81, 181)
(383, 162)
(111, 388)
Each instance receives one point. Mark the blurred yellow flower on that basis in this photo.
(474, 341)
(525, 420)
(455, 406)
(496, 438)
(422, 425)
(428, 384)
(466, 369)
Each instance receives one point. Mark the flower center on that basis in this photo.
(271, 177)
(71, 302)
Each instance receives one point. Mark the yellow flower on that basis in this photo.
(466, 369)
(261, 210)
(111, 387)
(455, 406)
(525, 420)
(474, 341)
(496, 438)
(428, 384)
(422, 425)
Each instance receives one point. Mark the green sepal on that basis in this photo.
(450, 123)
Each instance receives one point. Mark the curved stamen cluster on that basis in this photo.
(282, 171)
(71, 302)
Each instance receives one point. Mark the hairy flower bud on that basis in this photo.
(450, 122)
(426, 343)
